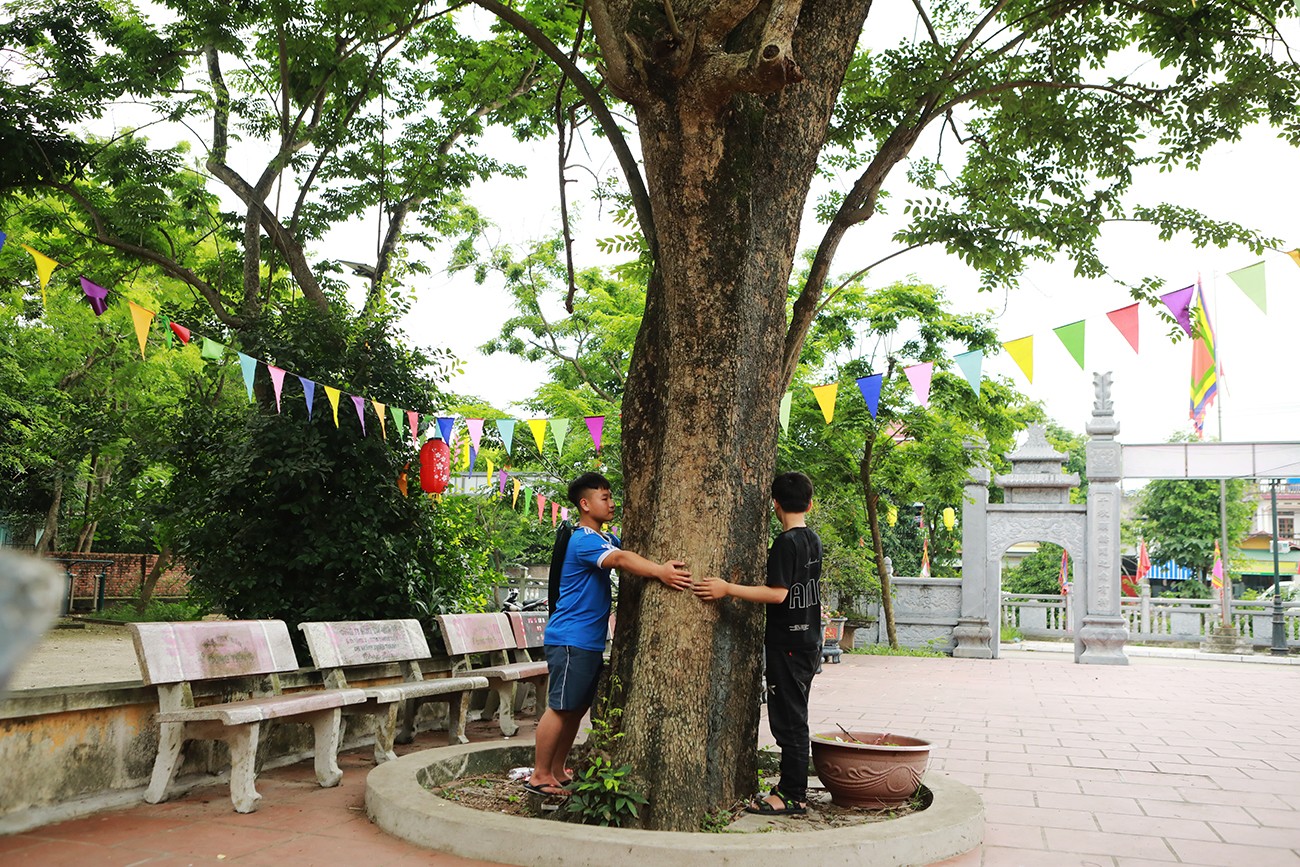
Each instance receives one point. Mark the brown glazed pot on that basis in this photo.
(884, 771)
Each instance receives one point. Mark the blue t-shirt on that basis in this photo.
(581, 616)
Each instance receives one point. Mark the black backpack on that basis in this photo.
(558, 552)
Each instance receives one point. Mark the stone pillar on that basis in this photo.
(1101, 638)
(975, 636)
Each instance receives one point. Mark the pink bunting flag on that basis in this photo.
(919, 375)
(555, 513)
(1179, 303)
(596, 424)
(564, 513)
(1126, 320)
(360, 404)
(413, 418)
(475, 427)
(541, 501)
(95, 294)
(277, 383)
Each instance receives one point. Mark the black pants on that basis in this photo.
(789, 678)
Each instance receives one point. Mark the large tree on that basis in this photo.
(1032, 116)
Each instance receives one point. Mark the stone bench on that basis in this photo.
(249, 655)
(342, 645)
(510, 664)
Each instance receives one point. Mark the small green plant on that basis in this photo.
(1010, 634)
(716, 821)
(886, 650)
(601, 793)
(156, 610)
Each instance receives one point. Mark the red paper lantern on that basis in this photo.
(435, 467)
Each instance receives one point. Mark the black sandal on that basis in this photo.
(789, 807)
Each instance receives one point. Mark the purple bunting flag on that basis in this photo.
(95, 295)
(360, 404)
(1179, 303)
(596, 425)
(501, 481)
(308, 392)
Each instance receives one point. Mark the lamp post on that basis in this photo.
(1279, 631)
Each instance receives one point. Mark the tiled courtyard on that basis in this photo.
(1167, 761)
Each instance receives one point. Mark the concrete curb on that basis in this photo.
(398, 803)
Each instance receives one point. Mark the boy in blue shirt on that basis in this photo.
(576, 629)
(793, 638)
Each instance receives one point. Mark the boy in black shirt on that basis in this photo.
(793, 640)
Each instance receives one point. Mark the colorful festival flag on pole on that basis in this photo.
(538, 427)
(96, 295)
(1205, 373)
(506, 427)
(825, 395)
(559, 430)
(870, 388)
(141, 319)
(1251, 281)
(383, 423)
(248, 367)
(1179, 303)
(1072, 337)
(360, 404)
(920, 375)
(277, 382)
(1144, 561)
(1021, 351)
(44, 268)
(182, 333)
(783, 414)
(972, 367)
(308, 394)
(1126, 320)
(1217, 572)
(596, 427)
(1063, 578)
(332, 395)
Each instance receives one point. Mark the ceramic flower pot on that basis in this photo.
(875, 771)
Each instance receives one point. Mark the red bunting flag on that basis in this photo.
(182, 333)
(1126, 320)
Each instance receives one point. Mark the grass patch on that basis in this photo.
(886, 650)
(157, 610)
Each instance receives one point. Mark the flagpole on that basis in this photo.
(1225, 601)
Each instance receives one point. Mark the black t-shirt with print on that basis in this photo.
(795, 561)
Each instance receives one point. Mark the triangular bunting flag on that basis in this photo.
(1022, 352)
(413, 418)
(308, 394)
(1179, 303)
(181, 332)
(360, 404)
(783, 413)
(397, 413)
(825, 395)
(1294, 254)
(541, 501)
(972, 365)
(490, 470)
(1072, 337)
(212, 349)
(1126, 320)
(383, 422)
(142, 319)
(559, 430)
(277, 383)
(44, 268)
(168, 336)
(248, 366)
(446, 424)
(596, 427)
(501, 482)
(96, 295)
(332, 395)
(1251, 281)
(514, 501)
(506, 427)
(870, 388)
(3, 236)
(538, 427)
(555, 513)
(475, 427)
(919, 375)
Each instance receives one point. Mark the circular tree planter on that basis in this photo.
(870, 769)
(398, 802)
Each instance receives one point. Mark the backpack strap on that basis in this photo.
(558, 552)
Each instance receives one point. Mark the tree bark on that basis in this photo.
(729, 151)
(151, 580)
(877, 544)
(51, 533)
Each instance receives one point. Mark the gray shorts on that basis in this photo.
(574, 673)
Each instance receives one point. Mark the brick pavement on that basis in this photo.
(1166, 761)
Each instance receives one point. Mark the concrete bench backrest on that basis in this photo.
(475, 633)
(529, 627)
(175, 652)
(363, 642)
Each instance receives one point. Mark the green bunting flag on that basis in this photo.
(1251, 281)
(559, 430)
(1072, 336)
(212, 349)
(785, 411)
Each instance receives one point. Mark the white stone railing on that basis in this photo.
(1154, 621)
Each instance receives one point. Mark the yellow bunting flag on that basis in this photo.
(1294, 254)
(379, 411)
(333, 394)
(142, 319)
(489, 474)
(825, 395)
(1022, 352)
(538, 427)
(514, 501)
(44, 268)
(464, 456)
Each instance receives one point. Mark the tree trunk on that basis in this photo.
(877, 544)
(151, 580)
(728, 174)
(50, 535)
